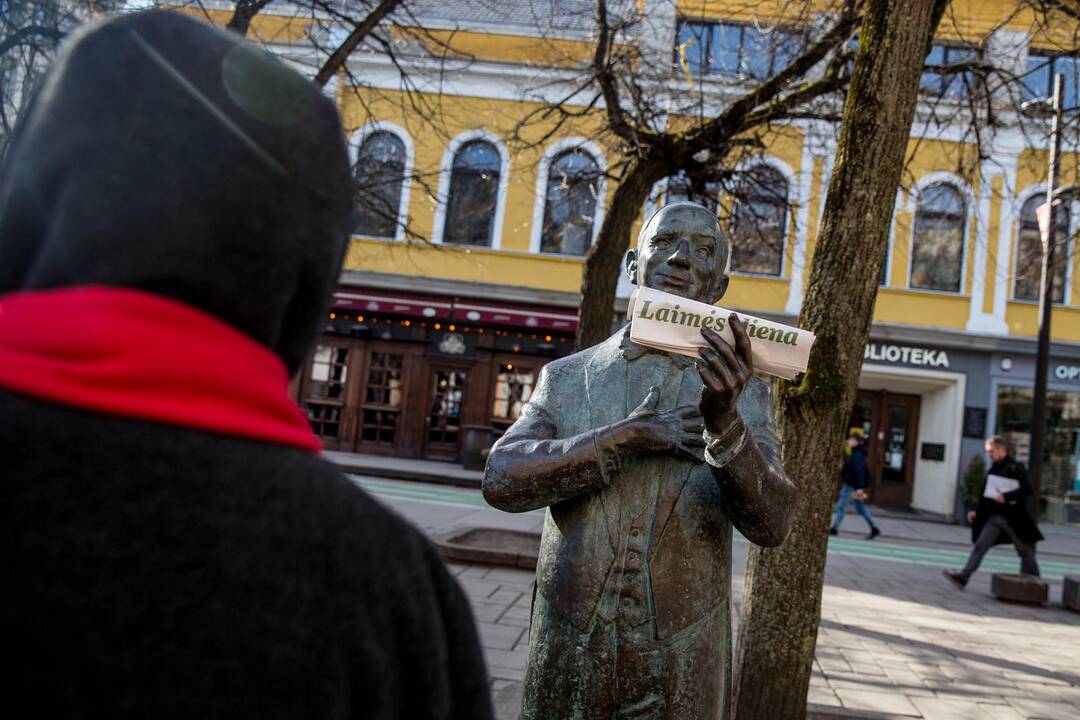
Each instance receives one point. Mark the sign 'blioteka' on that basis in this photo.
(672, 323)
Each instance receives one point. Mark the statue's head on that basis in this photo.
(682, 250)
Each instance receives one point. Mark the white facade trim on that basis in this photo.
(976, 312)
(357, 140)
(446, 170)
(540, 204)
(996, 322)
(802, 222)
(958, 183)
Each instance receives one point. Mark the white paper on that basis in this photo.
(668, 322)
(999, 485)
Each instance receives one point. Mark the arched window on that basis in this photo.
(937, 248)
(380, 174)
(680, 188)
(1029, 252)
(570, 206)
(759, 221)
(474, 194)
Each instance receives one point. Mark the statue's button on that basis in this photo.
(635, 532)
(632, 556)
(627, 602)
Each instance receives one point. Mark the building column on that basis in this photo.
(818, 144)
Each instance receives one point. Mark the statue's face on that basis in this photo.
(682, 251)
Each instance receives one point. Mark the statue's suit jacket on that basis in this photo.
(553, 457)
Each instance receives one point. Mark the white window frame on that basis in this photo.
(446, 171)
(540, 204)
(792, 180)
(1039, 190)
(958, 184)
(357, 140)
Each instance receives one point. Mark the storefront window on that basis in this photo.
(513, 387)
(1061, 460)
(326, 389)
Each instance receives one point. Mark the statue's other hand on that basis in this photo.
(724, 370)
(648, 430)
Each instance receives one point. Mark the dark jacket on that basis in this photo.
(159, 571)
(855, 470)
(1015, 507)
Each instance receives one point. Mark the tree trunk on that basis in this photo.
(782, 593)
(603, 263)
(243, 14)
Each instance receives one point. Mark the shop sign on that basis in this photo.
(454, 344)
(1067, 372)
(906, 354)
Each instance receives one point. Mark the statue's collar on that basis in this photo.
(631, 351)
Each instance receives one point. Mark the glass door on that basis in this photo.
(380, 404)
(446, 400)
(890, 423)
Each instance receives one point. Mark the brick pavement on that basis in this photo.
(896, 640)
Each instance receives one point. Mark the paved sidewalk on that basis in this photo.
(896, 640)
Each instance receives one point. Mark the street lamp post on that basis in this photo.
(1046, 300)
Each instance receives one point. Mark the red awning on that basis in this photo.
(464, 310)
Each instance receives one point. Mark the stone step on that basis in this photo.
(1070, 595)
(1027, 589)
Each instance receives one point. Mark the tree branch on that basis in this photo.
(20, 36)
(360, 31)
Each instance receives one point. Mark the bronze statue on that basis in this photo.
(644, 460)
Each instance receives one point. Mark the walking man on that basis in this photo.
(1002, 518)
(856, 478)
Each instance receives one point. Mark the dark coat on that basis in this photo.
(158, 571)
(1015, 507)
(855, 470)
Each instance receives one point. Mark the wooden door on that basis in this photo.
(379, 415)
(445, 406)
(890, 425)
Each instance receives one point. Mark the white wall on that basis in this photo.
(941, 412)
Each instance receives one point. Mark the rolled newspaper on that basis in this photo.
(668, 322)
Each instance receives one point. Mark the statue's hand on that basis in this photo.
(678, 430)
(724, 370)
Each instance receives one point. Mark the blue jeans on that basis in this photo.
(841, 507)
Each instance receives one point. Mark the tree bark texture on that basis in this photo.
(782, 591)
(603, 263)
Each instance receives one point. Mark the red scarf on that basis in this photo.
(126, 352)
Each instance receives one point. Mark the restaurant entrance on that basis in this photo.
(889, 423)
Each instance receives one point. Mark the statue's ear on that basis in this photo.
(630, 264)
(721, 288)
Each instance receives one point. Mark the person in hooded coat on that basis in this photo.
(173, 215)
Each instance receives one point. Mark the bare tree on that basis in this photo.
(30, 32)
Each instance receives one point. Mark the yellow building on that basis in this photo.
(462, 278)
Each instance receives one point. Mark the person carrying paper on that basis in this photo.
(1001, 515)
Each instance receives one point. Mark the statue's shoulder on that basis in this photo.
(573, 366)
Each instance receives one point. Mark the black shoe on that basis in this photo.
(874, 532)
(834, 531)
(955, 578)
